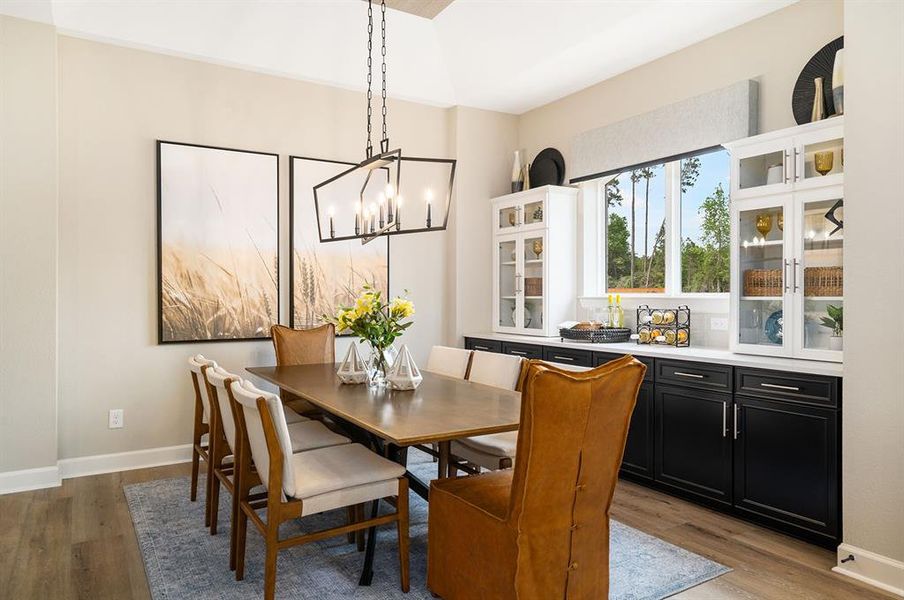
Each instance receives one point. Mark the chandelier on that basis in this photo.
(377, 196)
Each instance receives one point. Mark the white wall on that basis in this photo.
(873, 411)
(28, 245)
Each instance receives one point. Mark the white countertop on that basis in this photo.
(714, 355)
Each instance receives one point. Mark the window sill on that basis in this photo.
(715, 303)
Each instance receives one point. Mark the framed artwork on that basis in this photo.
(324, 276)
(217, 243)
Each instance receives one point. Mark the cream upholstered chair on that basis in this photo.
(304, 434)
(306, 483)
(451, 362)
(197, 365)
(496, 450)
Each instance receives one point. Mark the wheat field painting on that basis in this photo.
(218, 240)
(326, 275)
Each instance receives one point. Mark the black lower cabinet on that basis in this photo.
(786, 465)
(692, 445)
(638, 459)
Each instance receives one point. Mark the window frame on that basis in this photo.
(594, 193)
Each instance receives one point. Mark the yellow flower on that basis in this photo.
(401, 307)
(364, 304)
(344, 319)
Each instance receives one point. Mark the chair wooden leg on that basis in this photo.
(241, 531)
(209, 485)
(214, 503)
(233, 529)
(195, 465)
(270, 560)
(402, 524)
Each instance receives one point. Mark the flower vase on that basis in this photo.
(836, 342)
(376, 374)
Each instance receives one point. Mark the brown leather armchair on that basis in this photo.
(303, 347)
(541, 530)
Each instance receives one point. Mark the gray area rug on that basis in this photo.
(183, 561)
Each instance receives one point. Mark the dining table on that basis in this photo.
(441, 409)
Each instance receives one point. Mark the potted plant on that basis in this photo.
(378, 323)
(835, 322)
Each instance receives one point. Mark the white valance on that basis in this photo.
(708, 120)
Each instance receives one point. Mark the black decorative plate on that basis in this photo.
(821, 65)
(548, 168)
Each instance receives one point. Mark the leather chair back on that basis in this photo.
(570, 446)
(304, 346)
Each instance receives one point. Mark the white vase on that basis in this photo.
(836, 342)
(353, 369)
(404, 374)
(838, 82)
(517, 173)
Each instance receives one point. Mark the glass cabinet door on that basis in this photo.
(508, 217)
(532, 281)
(508, 281)
(820, 272)
(763, 169)
(762, 278)
(532, 213)
(819, 159)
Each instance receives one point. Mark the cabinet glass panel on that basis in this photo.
(761, 169)
(508, 218)
(823, 158)
(533, 281)
(507, 266)
(533, 213)
(761, 263)
(822, 271)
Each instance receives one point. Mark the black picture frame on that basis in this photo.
(161, 339)
(292, 199)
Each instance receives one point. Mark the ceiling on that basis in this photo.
(422, 8)
(504, 55)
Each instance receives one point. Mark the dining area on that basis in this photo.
(507, 456)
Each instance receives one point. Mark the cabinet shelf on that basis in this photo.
(533, 261)
(761, 244)
(763, 298)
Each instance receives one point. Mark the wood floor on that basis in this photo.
(77, 541)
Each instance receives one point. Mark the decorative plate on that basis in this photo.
(773, 328)
(821, 65)
(548, 168)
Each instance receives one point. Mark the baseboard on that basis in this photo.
(29, 479)
(124, 461)
(871, 568)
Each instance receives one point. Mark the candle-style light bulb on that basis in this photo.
(390, 195)
(332, 212)
(428, 196)
(357, 218)
(381, 199)
(398, 213)
(373, 216)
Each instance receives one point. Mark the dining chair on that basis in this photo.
(495, 450)
(304, 434)
(197, 366)
(307, 483)
(541, 529)
(303, 347)
(451, 362)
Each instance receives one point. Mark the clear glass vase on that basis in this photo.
(376, 374)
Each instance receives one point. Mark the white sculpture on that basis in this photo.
(404, 374)
(353, 368)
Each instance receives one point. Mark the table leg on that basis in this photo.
(445, 449)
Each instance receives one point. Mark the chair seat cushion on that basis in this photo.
(338, 467)
(502, 445)
(490, 492)
(310, 435)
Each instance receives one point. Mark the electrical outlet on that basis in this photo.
(718, 323)
(116, 419)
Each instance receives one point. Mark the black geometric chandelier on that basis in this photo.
(377, 196)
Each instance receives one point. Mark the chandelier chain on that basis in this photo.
(384, 143)
(369, 149)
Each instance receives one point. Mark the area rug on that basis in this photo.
(183, 561)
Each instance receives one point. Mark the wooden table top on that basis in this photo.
(440, 409)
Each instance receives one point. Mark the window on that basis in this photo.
(667, 227)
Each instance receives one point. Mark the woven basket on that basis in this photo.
(608, 335)
(533, 286)
(763, 282)
(823, 281)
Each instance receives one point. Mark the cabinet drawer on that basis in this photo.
(810, 389)
(568, 356)
(483, 345)
(522, 350)
(698, 375)
(601, 358)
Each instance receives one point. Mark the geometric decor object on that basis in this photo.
(404, 374)
(353, 369)
(822, 65)
(323, 277)
(217, 243)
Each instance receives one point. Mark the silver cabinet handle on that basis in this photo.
(794, 271)
(776, 386)
(787, 283)
(518, 352)
(725, 419)
(796, 174)
(520, 218)
(735, 421)
(481, 348)
(518, 289)
(683, 374)
(568, 358)
(785, 166)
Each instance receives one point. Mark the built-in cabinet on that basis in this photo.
(759, 444)
(534, 257)
(787, 241)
